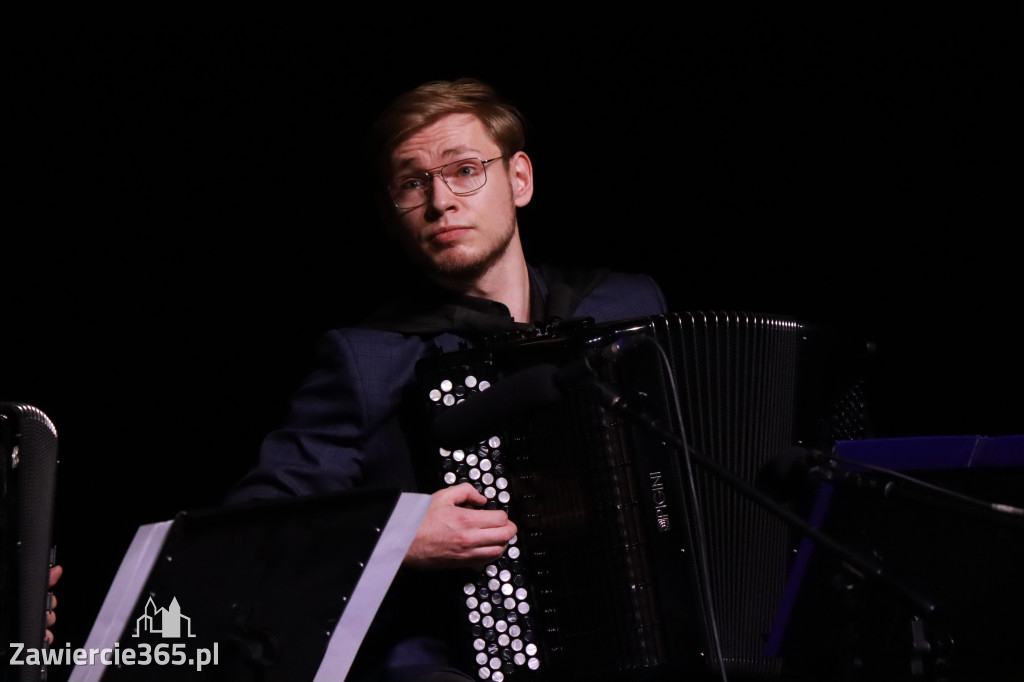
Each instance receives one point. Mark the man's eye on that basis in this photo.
(466, 170)
(411, 184)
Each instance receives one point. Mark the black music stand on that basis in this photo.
(834, 624)
(279, 590)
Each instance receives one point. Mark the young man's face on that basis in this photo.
(460, 237)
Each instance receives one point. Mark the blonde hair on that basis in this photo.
(422, 106)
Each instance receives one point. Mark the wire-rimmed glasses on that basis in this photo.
(462, 177)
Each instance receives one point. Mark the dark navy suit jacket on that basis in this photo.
(344, 428)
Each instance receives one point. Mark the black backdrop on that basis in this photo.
(185, 212)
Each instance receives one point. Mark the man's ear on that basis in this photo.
(520, 172)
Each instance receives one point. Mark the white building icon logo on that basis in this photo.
(165, 622)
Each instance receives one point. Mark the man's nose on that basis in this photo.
(438, 194)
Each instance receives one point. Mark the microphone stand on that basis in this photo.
(614, 402)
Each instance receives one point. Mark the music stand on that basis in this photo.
(280, 590)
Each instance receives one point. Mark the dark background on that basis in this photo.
(186, 211)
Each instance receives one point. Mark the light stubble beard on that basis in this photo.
(458, 271)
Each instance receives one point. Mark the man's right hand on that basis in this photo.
(455, 535)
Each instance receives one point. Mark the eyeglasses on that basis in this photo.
(462, 177)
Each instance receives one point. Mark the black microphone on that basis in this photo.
(522, 394)
(788, 473)
(794, 469)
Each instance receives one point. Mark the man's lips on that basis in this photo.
(447, 235)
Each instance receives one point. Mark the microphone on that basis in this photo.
(522, 394)
(786, 474)
(793, 469)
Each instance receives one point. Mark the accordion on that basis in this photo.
(28, 476)
(631, 562)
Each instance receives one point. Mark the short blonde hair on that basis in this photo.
(422, 106)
